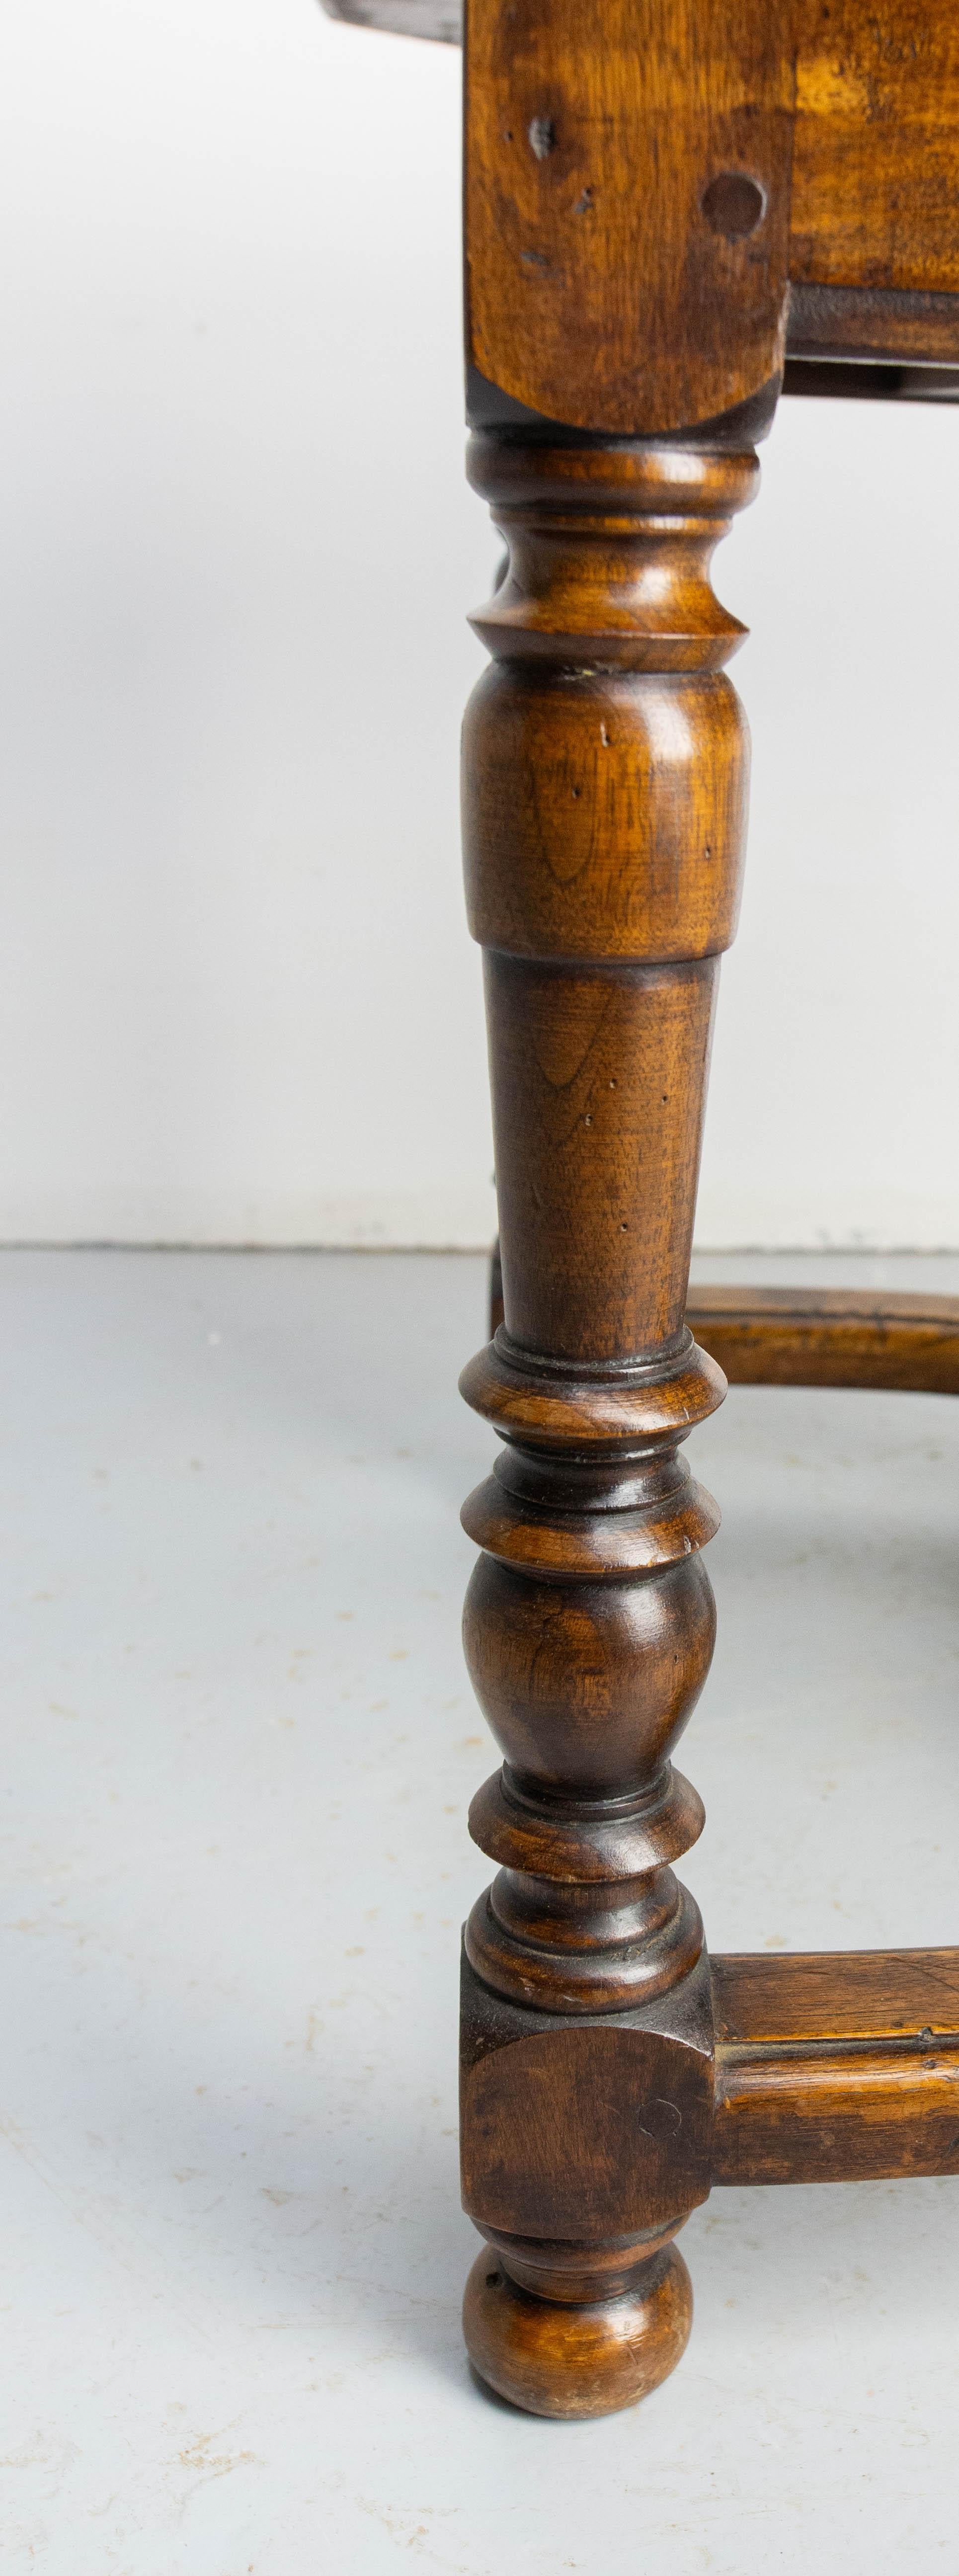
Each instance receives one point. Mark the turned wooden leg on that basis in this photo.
(605, 774)
(650, 196)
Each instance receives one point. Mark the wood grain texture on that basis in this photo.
(830, 1337)
(836, 2067)
(554, 2359)
(816, 1337)
(875, 173)
(620, 275)
(604, 793)
(652, 192)
(586, 2129)
(603, 286)
(793, 1997)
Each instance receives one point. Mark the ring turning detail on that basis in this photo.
(604, 796)
(611, 2074)
(671, 217)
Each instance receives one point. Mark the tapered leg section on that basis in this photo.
(604, 806)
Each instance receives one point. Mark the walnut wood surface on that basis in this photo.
(844, 123)
(830, 1337)
(578, 2361)
(836, 2067)
(875, 175)
(817, 1336)
(795, 1996)
(604, 795)
(669, 203)
(578, 123)
(847, 120)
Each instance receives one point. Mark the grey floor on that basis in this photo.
(239, 1751)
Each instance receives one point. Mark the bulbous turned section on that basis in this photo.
(587, 1686)
(535, 869)
(553, 2358)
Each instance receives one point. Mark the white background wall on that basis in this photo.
(237, 999)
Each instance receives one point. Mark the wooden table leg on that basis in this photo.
(604, 813)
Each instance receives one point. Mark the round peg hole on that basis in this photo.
(734, 204)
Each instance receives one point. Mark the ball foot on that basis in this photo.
(555, 2359)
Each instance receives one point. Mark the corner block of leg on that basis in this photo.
(586, 2141)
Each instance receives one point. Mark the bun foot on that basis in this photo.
(554, 2359)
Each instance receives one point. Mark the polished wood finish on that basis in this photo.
(584, 2360)
(844, 117)
(675, 209)
(802, 164)
(836, 2067)
(830, 1337)
(578, 305)
(875, 174)
(604, 816)
(907, 1341)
